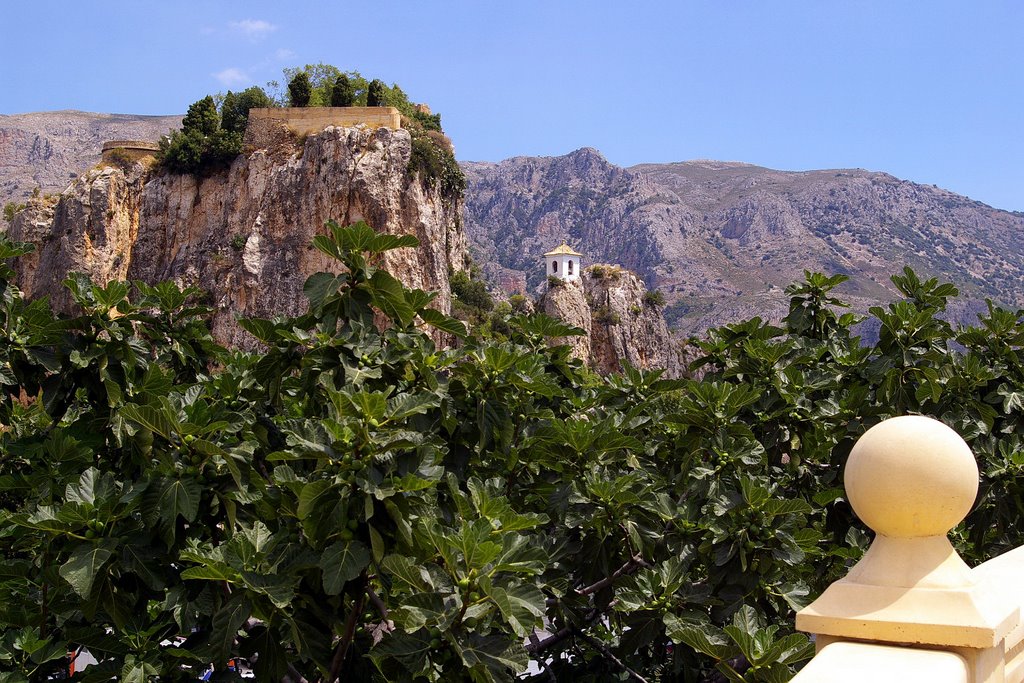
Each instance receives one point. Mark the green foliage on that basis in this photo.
(322, 78)
(201, 117)
(235, 108)
(300, 90)
(375, 94)
(434, 161)
(342, 94)
(654, 299)
(10, 209)
(202, 146)
(354, 503)
(472, 303)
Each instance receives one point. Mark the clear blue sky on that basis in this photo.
(930, 91)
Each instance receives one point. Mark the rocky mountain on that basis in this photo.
(720, 240)
(723, 240)
(623, 323)
(244, 235)
(47, 150)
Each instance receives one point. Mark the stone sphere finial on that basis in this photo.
(911, 477)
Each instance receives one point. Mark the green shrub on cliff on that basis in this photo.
(235, 107)
(433, 159)
(300, 90)
(202, 145)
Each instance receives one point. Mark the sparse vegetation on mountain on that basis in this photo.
(120, 157)
(655, 298)
(10, 209)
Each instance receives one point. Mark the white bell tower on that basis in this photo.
(563, 263)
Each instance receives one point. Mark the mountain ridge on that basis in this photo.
(723, 239)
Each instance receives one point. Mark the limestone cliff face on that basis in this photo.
(48, 150)
(611, 304)
(568, 303)
(90, 229)
(244, 235)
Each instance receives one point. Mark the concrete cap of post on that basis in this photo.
(911, 477)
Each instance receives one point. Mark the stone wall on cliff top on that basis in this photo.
(610, 304)
(244, 235)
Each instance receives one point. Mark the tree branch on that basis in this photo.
(536, 646)
(603, 649)
(634, 563)
(294, 676)
(346, 639)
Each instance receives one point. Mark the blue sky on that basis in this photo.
(930, 91)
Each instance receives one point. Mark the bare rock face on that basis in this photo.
(244, 235)
(611, 303)
(568, 303)
(91, 229)
(32, 224)
(47, 150)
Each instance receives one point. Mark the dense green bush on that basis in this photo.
(300, 90)
(201, 146)
(235, 107)
(342, 94)
(375, 94)
(202, 117)
(354, 503)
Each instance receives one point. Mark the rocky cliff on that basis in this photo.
(723, 240)
(47, 150)
(244, 235)
(624, 324)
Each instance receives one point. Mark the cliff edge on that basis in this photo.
(244, 234)
(624, 322)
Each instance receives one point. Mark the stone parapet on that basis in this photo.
(307, 120)
(135, 150)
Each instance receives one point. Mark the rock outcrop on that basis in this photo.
(48, 150)
(92, 228)
(244, 235)
(623, 321)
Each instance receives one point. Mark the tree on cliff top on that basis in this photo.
(201, 145)
(235, 107)
(342, 94)
(202, 117)
(375, 94)
(300, 90)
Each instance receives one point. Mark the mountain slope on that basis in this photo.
(49, 149)
(723, 240)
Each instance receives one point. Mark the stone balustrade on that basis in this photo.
(911, 609)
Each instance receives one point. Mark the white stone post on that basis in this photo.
(912, 479)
